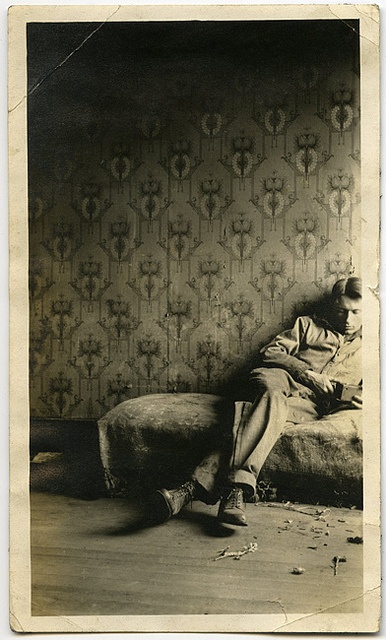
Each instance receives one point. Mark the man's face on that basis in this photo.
(346, 315)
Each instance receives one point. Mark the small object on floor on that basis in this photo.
(231, 510)
(335, 563)
(355, 540)
(236, 555)
(265, 492)
(316, 530)
(297, 571)
(318, 514)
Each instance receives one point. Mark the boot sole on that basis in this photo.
(236, 523)
(158, 509)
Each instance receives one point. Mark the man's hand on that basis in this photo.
(318, 382)
(356, 402)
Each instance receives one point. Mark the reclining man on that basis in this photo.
(301, 378)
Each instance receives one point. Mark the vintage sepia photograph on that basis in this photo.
(194, 245)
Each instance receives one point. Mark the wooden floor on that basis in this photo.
(90, 558)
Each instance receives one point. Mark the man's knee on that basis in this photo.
(271, 379)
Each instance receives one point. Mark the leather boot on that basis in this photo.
(231, 510)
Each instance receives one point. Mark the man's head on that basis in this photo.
(346, 305)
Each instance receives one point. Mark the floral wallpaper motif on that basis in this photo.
(169, 242)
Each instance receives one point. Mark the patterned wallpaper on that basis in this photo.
(172, 236)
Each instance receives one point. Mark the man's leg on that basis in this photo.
(203, 485)
(254, 437)
(207, 477)
(254, 434)
(212, 472)
(206, 481)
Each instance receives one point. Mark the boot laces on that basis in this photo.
(187, 489)
(235, 498)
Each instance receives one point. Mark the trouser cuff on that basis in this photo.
(245, 478)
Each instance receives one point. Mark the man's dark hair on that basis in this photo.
(351, 287)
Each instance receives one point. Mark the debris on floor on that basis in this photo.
(318, 514)
(355, 540)
(236, 555)
(336, 561)
(265, 492)
(316, 530)
(319, 526)
(297, 571)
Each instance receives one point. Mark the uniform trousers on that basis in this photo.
(279, 400)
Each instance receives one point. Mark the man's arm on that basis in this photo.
(356, 402)
(318, 382)
(282, 351)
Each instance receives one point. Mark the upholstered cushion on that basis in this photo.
(319, 461)
(160, 438)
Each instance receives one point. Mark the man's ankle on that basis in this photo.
(248, 490)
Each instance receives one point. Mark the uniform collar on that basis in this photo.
(357, 334)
